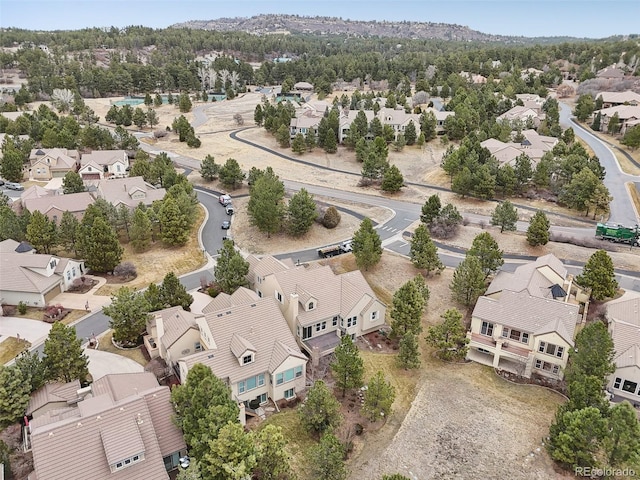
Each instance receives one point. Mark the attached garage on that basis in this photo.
(90, 176)
(51, 294)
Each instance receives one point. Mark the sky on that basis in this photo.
(531, 18)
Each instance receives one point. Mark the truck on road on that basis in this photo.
(333, 250)
(618, 233)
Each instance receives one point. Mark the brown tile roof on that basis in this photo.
(120, 190)
(627, 311)
(121, 418)
(625, 112)
(72, 202)
(104, 157)
(620, 97)
(624, 326)
(527, 277)
(175, 322)
(19, 275)
(531, 314)
(52, 393)
(259, 326)
(35, 191)
(223, 300)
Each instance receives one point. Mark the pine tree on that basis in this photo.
(326, 459)
(449, 337)
(72, 183)
(283, 136)
(41, 232)
(575, 436)
(184, 103)
(173, 223)
(378, 398)
(597, 122)
(622, 444)
(100, 248)
(232, 455)
(538, 231)
(409, 351)
(330, 143)
(431, 210)
(406, 310)
(11, 161)
(301, 213)
(486, 249)
(203, 406)
(392, 180)
(410, 133)
(141, 230)
(15, 394)
(320, 411)
(63, 357)
(505, 215)
(209, 169)
(423, 252)
(230, 175)
(366, 244)
(599, 275)
(173, 293)
(231, 269)
(129, 312)
(592, 355)
(347, 367)
(265, 203)
(299, 145)
(468, 281)
(273, 459)
(67, 232)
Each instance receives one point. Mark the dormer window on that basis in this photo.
(311, 306)
(247, 359)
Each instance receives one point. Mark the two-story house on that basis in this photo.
(525, 323)
(318, 305)
(624, 327)
(48, 163)
(120, 427)
(101, 164)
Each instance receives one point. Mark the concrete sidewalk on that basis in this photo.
(104, 363)
(34, 331)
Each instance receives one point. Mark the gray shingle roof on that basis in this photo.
(19, 273)
(527, 277)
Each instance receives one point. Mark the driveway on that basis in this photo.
(105, 363)
(33, 331)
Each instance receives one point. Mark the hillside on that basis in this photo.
(294, 24)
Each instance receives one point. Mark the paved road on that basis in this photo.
(622, 208)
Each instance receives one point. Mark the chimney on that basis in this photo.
(291, 313)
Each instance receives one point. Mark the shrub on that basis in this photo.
(22, 308)
(8, 310)
(160, 133)
(214, 290)
(125, 270)
(331, 218)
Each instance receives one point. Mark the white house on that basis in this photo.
(624, 327)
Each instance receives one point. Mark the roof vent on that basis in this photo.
(139, 420)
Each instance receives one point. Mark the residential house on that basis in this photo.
(45, 164)
(526, 73)
(302, 87)
(474, 78)
(318, 305)
(629, 116)
(11, 246)
(525, 322)
(441, 117)
(172, 334)
(304, 124)
(610, 73)
(532, 144)
(613, 99)
(53, 206)
(248, 345)
(129, 191)
(624, 327)
(522, 114)
(101, 164)
(118, 428)
(36, 279)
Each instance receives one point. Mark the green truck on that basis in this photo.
(618, 233)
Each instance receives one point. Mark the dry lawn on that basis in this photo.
(156, 262)
(106, 345)
(11, 347)
(634, 194)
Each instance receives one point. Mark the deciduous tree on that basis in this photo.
(347, 367)
(366, 244)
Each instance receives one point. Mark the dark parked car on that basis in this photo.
(226, 225)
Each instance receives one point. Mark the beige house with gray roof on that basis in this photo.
(172, 334)
(525, 323)
(53, 206)
(129, 191)
(48, 163)
(624, 327)
(118, 428)
(101, 164)
(318, 305)
(613, 99)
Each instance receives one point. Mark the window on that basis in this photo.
(629, 386)
(288, 375)
(289, 393)
(197, 347)
(262, 398)
(617, 383)
(306, 332)
(335, 321)
(505, 332)
(259, 294)
(516, 335)
(374, 316)
(251, 383)
(352, 321)
(311, 305)
(321, 326)
(547, 367)
(247, 359)
(487, 329)
(279, 297)
(551, 349)
(525, 337)
(68, 275)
